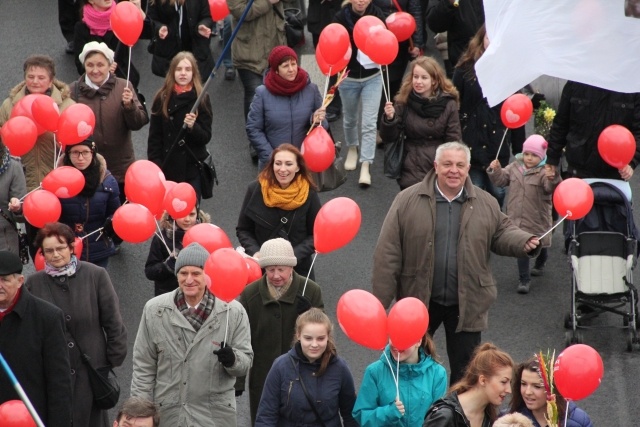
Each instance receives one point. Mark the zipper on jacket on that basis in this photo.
(289, 392)
(86, 220)
(446, 261)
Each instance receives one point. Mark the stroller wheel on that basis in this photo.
(571, 338)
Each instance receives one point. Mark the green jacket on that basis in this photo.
(272, 328)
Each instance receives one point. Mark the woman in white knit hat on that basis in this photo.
(273, 304)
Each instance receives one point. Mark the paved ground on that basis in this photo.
(519, 324)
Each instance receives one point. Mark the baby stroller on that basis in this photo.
(603, 249)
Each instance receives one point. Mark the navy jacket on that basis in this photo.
(33, 342)
(577, 417)
(284, 404)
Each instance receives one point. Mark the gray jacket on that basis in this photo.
(12, 184)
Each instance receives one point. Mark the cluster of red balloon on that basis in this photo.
(617, 146)
(36, 114)
(219, 9)
(373, 38)
(14, 413)
(363, 319)
(578, 372)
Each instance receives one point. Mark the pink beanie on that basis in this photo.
(537, 145)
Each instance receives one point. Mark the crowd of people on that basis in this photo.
(193, 350)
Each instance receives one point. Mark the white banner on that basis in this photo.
(589, 41)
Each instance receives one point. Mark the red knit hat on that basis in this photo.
(278, 53)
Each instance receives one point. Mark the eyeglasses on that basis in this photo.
(78, 154)
(59, 249)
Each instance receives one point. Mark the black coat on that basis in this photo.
(482, 128)
(33, 342)
(83, 36)
(195, 13)
(158, 266)
(182, 166)
(320, 14)
(257, 224)
(447, 412)
(584, 112)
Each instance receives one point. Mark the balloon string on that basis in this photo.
(326, 83)
(304, 288)
(161, 237)
(384, 87)
(398, 377)
(393, 374)
(99, 230)
(128, 67)
(18, 388)
(39, 187)
(226, 330)
(566, 412)
(557, 224)
(504, 135)
(389, 94)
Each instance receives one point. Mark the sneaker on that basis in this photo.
(523, 287)
(537, 271)
(69, 48)
(230, 73)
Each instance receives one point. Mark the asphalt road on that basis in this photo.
(519, 324)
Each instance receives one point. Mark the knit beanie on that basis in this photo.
(537, 145)
(278, 53)
(277, 252)
(96, 47)
(193, 255)
(89, 142)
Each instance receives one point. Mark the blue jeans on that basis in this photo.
(480, 179)
(226, 35)
(352, 92)
(523, 265)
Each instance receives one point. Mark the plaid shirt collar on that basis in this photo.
(196, 316)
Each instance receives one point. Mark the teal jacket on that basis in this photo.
(421, 384)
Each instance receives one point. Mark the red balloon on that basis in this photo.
(64, 182)
(516, 111)
(210, 236)
(143, 184)
(318, 149)
(228, 272)
(401, 24)
(363, 319)
(219, 9)
(382, 47)
(333, 43)
(255, 272)
(19, 134)
(334, 69)
(616, 146)
(126, 22)
(134, 223)
(573, 197)
(14, 413)
(38, 261)
(407, 323)
(78, 245)
(180, 200)
(76, 123)
(23, 108)
(41, 207)
(45, 113)
(336, 224)
(578, 372)
(363, 28)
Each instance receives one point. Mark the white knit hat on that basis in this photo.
(277, 252)
(96, 47)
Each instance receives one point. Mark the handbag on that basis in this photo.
(293, 26)
(104, 384)
(23, 241)
(334, 176)
(306, 393)
(206, 171)
(394, 151)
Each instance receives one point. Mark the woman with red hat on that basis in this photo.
(284, 107)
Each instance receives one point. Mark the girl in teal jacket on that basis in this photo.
(422, 381)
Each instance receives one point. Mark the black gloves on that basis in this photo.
(170, 263)
(239, 393)
(536, 99)
(302, 304)
(225, 355)
(107, 229)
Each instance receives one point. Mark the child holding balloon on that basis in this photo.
(529, 203)
(421, 380)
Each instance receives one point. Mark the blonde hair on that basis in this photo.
(513, 420)
(437, 74)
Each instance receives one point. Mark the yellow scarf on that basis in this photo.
(289, 198)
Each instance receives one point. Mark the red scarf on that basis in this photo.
(182, 89)
(281, 87)
(97, 21)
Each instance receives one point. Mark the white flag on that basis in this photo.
(589, 41)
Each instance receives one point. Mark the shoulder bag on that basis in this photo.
(394, 151)
(306, 393)
(334, 176)
(206, 170)
(293, 26)
(23, 241)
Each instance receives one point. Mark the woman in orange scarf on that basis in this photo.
(282, 203)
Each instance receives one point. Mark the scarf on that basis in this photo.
(276, 292)
(282, 87)
(67, 270)
(5, 161)
(97, 21)
(195, 316)
(290, 198)
(428, 108)
(182, 89)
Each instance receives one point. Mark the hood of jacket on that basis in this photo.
(59, 91)
(408, 370)
(101, 161)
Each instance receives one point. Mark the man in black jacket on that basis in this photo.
(32, 340)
